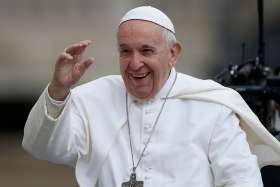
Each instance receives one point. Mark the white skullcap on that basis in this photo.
(151, 14)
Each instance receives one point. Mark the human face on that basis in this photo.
(145, 58)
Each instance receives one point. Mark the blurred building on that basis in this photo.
(34, 32)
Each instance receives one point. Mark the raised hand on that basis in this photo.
(69, 68)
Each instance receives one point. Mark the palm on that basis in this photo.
(69, 68)
(68, 73)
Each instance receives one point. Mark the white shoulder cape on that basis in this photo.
(262, 143)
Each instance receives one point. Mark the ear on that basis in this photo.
(175, 51)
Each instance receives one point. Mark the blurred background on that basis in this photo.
(34, 32)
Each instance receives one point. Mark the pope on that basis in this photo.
(151, 125)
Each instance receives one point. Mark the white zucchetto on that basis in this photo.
(148, 13)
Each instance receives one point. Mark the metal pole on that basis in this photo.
(261, 43)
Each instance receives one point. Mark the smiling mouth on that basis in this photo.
(140, 75)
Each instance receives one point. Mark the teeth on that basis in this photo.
(139, 75)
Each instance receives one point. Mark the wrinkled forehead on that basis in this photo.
(139, 32)
(139, 26)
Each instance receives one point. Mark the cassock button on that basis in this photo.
(148, 169)
(146, 153)
(151, 101)
(147, 178)
(144, 142)
(147, 127)
(149, 111)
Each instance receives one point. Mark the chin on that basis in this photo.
(141, 95)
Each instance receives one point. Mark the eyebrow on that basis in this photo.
(145, 46)
(122, 45)
(148, 46)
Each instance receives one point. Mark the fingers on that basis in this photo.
(65, 56)
(85, 64)
(77, 48)
(73, 53)
(82, 67)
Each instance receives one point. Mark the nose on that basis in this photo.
(136, 62)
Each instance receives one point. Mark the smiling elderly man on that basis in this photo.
(151, 126)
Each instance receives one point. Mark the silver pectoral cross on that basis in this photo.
(133, 182)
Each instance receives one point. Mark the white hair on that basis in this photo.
(169, 37)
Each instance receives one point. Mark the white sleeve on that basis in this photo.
(59, 140)
(54, 108)
(231, 161)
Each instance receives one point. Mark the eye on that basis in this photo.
(147, 51)
(124, 52)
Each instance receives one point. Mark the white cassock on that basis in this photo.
(198, 141)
